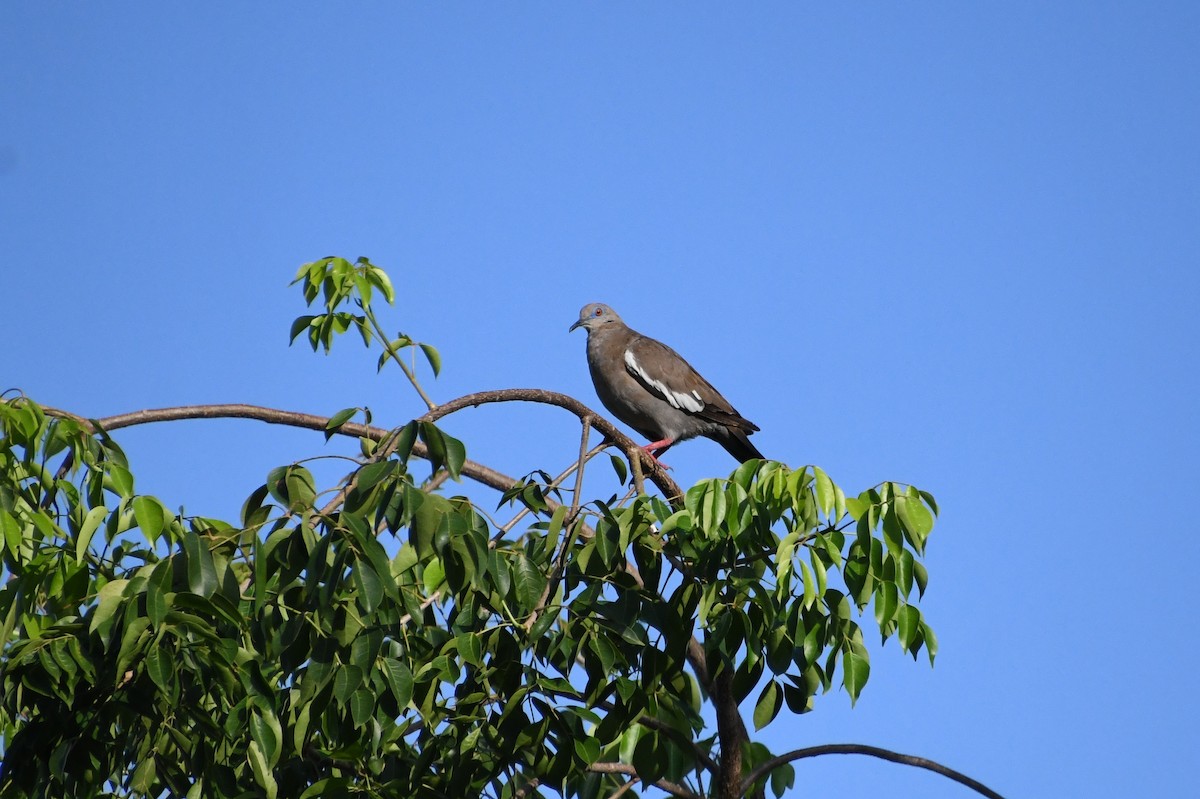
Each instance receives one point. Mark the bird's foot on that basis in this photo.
(656, 448)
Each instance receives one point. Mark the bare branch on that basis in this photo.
(633, 452)
(873, 751)
(731, 732)
(310, 421)
(666, 785)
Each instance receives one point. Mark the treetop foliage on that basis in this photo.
(381, 637)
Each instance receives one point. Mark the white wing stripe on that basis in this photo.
(687, 402)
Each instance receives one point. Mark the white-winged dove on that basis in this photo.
(648, 386)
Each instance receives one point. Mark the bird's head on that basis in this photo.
(595, 316)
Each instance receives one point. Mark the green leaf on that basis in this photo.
(434, 577)
(921, 576)
(119, 479)
(904, 572)
(456, 455)
(161, 667)
(156, 604)
(363, 287)
(782, 779)
(13, 538)
(529, 581)
(921, 520)
(111, 597)
(132, 643)
(915, 518)
(300, 324)
(262, 772)
(362, 707)
(346, 681)
(150, 515)
(435, 360)
(887, 601)
(824, 490)
(768, 705)
(819, 571)
(711, 507)
(554, 530)
(810, 585)
(444, 450)
(908, 627)
(91, 523)
(855, 671)
(648, 759)
(329, 788)
(380, 280)
(266, 732)
(930, 501)
(405, 438)
(587, 749)
(857, 506)
(618, 464)
(399, 679)
(301, 488)
(372, 474)
(931, 644)
(202, 574)
(470, 648)
(783, 558)
(143, 776)
(337, 420)
(368, 584)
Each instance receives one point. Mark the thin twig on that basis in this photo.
(625, 788)
(559, 564)
(551, 504)
(583, 457)
(410, 373)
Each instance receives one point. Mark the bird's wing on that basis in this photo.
(664, 373)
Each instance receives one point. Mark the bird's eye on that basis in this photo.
(599, 311)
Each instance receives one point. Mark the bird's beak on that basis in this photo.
(578, 323)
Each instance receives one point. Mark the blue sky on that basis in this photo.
(952, 244)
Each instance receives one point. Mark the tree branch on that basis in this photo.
(873, 751)
(632, 451)
(478, 472)
(666, 785)
(731, 732)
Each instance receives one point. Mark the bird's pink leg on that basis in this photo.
(657, 448)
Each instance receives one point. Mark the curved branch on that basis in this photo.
(355, 430)
(621, 768)
(476, 471)
(873, 751)
(632, 451)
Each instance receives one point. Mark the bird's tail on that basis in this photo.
(737, 444)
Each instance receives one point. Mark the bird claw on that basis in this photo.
(656, 448)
